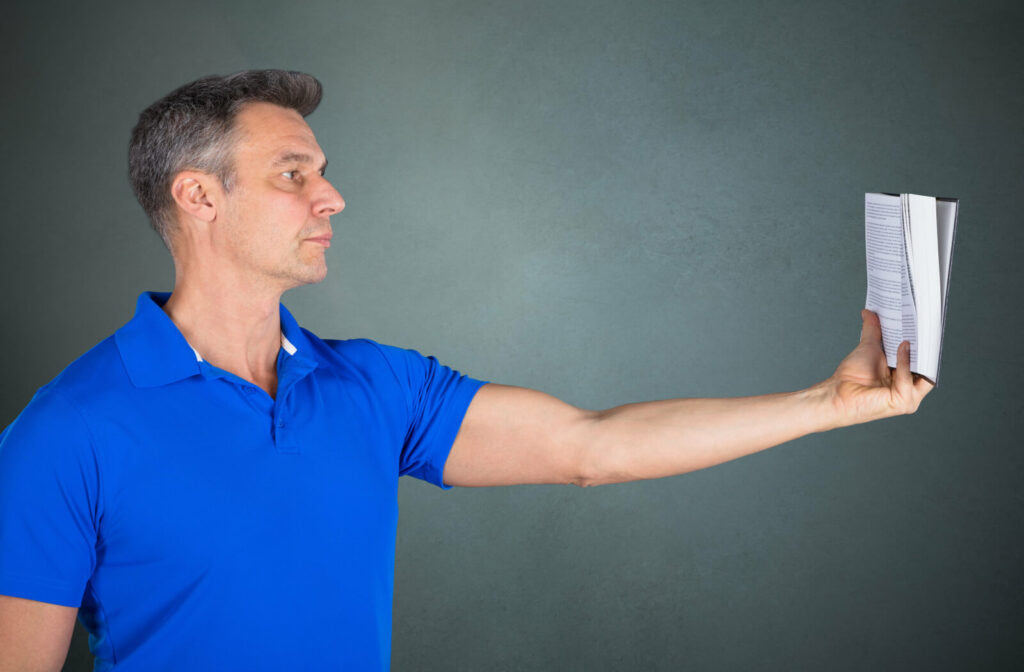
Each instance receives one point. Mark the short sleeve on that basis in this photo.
(437, 398)
(49, 502)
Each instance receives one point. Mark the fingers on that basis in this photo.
(909, 388)
(902, 376)
(922, 386)
(871, 329)
(903, 380)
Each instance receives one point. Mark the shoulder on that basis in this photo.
(50, 433)
(95, 372)
(92, 380)
(56, 418)
(396, 371)
(368, 357)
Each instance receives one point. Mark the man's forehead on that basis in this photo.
(277, 133)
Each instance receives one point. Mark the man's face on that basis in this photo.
(275, 223)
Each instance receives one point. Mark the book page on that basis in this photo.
(888, 288)
(923, 262)
(909, 313)
(946, 215)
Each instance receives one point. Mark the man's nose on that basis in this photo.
(330, 201)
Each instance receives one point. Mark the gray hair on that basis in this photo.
(193, 127)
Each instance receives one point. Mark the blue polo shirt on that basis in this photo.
(201, 524)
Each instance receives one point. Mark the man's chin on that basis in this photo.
(308, 276)
(320, 274)
(315, 278)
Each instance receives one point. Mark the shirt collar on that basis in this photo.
(285, 343)
(155, 352)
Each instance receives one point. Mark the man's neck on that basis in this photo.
(238, 331)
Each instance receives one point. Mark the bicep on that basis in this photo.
(34, 635)
(512, 435)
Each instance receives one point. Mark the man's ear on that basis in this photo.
(196, 193)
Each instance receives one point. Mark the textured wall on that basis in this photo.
(610, 202)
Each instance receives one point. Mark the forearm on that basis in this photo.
(663, 438)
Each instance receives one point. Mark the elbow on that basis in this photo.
(606, 454)
(595, 474)
(583, 482)
(591, 466)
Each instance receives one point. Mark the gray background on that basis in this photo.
(609, 202)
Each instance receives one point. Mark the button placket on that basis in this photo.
(291, 370)
(250, 394)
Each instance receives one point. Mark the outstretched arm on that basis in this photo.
(516, 435)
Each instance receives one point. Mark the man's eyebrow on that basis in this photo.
(296, 157)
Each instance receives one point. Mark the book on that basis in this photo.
(908, 241)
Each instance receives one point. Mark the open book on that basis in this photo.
(909, 244)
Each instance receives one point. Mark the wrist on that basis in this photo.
(822, 402)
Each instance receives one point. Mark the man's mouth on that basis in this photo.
(324, 240)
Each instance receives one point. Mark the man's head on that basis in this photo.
(229, 171)
(193, 127)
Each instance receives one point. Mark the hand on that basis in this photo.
(864, 388)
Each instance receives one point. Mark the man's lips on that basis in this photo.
(324, 240)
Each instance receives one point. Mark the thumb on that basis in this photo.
(903, 380)
(871, 329)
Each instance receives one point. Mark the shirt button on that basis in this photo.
(280, 423)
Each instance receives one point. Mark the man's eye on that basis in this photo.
(290, 174)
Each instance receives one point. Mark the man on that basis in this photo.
(213, 487)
